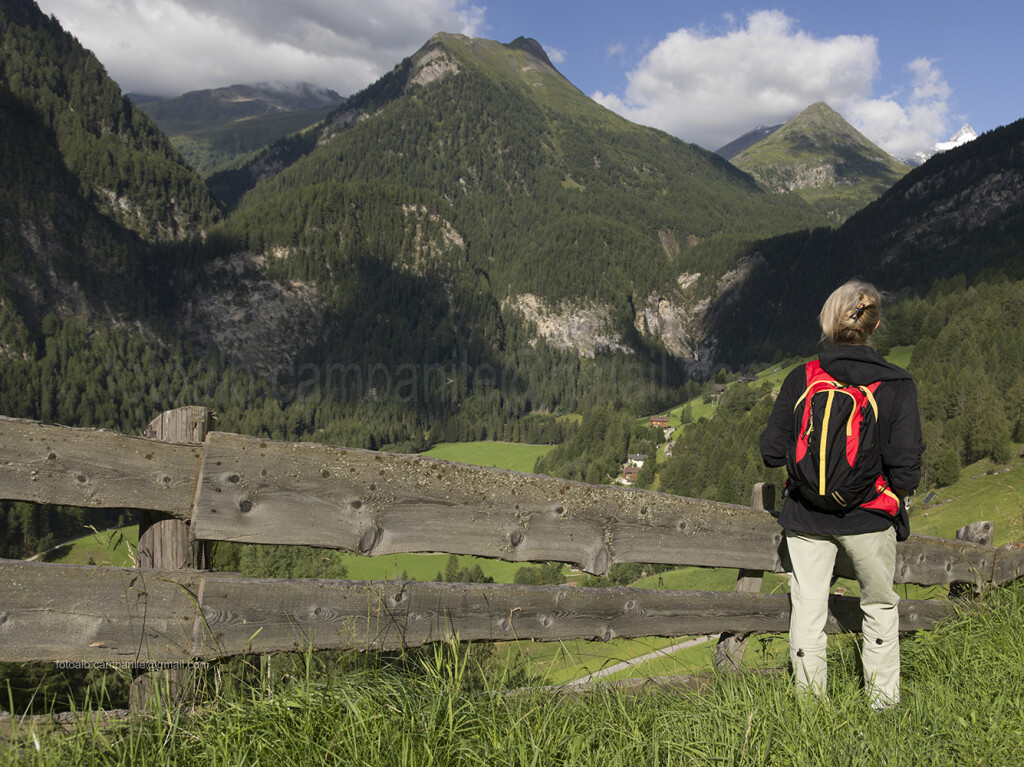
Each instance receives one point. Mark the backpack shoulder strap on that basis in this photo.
(815, 375)
(869, 394)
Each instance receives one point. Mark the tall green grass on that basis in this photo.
(962, 704)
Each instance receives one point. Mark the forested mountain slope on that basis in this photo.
(961, 213)
(559, 205)
(92, 192)
(123, 163)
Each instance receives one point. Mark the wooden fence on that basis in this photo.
(229, 487)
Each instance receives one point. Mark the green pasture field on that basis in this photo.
(114, 548)
(985, 492)
(422, 567)
(513, 456)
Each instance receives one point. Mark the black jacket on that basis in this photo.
(899, 435)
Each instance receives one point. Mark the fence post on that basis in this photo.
(730, 647)
(982, 533)
(164, 544)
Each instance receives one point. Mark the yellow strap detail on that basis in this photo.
(871, 399)
(824, 443)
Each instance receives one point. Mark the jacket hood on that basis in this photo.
(859, 364)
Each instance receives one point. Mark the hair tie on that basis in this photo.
(859, 311)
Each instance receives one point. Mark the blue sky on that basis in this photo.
(906, 73)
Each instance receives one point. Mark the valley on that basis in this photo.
(472, 260)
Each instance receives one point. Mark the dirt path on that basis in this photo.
(585, 680)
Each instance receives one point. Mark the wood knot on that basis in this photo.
(681, 526)
(51, 457)
(369, 540)
(245, 505)
(643, 511)
(516, 538)
(234, 479)
(81, 479)
(356, 504)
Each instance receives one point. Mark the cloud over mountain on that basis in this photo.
(171, 46)
(709, 86)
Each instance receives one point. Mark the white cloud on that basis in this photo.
(557, 55)
(710, 88)
(170, 46)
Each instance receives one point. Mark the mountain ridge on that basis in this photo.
(960, 215)
(819, 156)
(215, 127)
(565, 207)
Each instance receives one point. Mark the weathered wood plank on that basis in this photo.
(107, 614)
(731, 647)
(164, 540)
(260, 616)
(1009, 565)
(930, 561)
(257, 491)
(982, 534)
(165, 544)
(94, 468)
(74, 613)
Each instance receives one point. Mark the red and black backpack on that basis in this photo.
(835, 459)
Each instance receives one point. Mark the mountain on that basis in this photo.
(823, 159)
(93, 193)
(461, 251)
(197, 110)
(960, 216)
(214, 127)
(603, 234)
(747, 140)
(961, 137)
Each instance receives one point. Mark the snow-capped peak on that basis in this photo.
(959, 138)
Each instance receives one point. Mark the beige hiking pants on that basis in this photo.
(873, 556)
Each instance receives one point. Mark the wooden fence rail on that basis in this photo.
(86, 614)
(236, 488)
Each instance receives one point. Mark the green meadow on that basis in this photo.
(114, 548)
(502, 455)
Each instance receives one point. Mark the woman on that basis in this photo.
(866, 531)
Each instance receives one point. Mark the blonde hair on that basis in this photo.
(851, 314)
